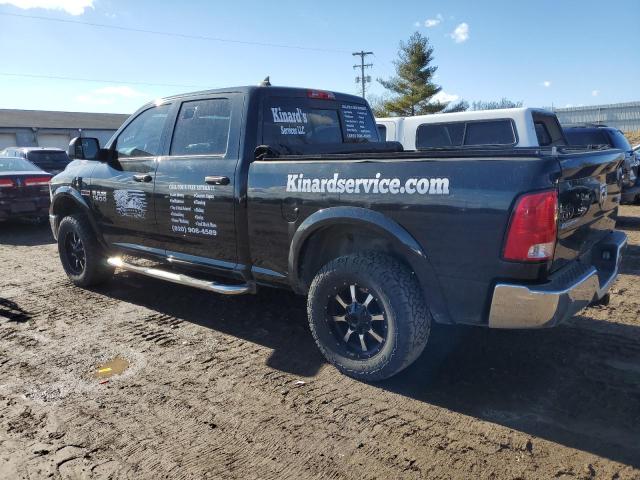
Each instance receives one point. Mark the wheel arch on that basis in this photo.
(337, 231)
(68, 201)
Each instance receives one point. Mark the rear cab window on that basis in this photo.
(296, 122)
(581, 137)
(466, 134)
(51, 158)
(620, 141)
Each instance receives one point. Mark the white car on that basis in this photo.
(510, 127)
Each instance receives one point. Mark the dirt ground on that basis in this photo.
(213, 386)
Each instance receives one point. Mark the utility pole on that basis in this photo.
(362, 78)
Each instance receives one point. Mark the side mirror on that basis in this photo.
(84, 149)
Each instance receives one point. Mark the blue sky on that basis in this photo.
(559, 52)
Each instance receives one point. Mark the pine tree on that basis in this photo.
(413, 83)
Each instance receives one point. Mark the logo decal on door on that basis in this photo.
(131, 203)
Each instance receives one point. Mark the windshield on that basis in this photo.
(14, 164)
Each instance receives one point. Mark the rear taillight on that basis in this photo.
(533, 228)
(6, 182)
(321, 95)
(36, 181)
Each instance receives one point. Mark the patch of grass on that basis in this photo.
(633, 137)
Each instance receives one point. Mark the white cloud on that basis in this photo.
(461, 33)
(122, 91)
(417, 24)
(444, 97)
(546, 83)
(432, 22)
(595, 93)
(72, 7)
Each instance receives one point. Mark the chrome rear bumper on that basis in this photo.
(568, 291)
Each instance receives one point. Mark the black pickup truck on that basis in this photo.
(283, 187)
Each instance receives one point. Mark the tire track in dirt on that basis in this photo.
(203, 397)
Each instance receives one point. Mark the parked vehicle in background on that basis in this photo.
(51, 160)
(24, 189)
(291, 188)
(500, 128)
(609, 137)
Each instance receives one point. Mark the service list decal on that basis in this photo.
(188, 209)
(299, 183)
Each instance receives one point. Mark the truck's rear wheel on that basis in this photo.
(82, 257)
(368, 315)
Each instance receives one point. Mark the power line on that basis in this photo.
(173, 34)
(364, 79)
(96, 80)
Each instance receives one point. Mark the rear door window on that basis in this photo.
(202, 128)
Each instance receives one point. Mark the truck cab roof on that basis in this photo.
(261, 90)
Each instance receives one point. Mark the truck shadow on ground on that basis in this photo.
(577, 385)
(23, 233)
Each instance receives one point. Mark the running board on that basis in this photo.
(181, 279)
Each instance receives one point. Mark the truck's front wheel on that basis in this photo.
(368, 315)
(82, 257)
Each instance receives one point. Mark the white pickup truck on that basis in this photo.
(510, 127)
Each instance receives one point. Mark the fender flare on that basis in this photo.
(68, 193)
(402, 240)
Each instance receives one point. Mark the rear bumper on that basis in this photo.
(568, 291)
(7, 213)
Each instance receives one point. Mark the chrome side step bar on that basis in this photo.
(181, 279)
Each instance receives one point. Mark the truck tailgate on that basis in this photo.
(589, 192)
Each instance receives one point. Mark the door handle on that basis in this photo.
(146, 178)
(217, 180)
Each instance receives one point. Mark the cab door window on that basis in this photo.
(142, 137)
(202, 128)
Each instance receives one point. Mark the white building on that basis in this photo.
(37, 128)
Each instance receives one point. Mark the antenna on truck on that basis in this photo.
(266, 82)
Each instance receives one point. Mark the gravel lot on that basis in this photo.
(213, 387)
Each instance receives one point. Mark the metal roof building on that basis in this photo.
(39, 128)
(624, 116)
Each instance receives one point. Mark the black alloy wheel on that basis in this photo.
(75, 252)
(357, 321)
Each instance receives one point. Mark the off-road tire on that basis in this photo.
(399, 296)
(96, 270)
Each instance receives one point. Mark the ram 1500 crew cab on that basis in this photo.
(291, 188)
